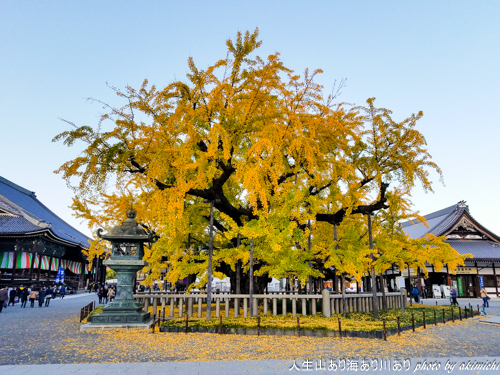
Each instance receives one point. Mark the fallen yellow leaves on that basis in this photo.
(352, 321)
(61, 342)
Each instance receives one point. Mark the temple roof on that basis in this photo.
(22, 213)
(446, 222)
(464, 233)
(481, 250)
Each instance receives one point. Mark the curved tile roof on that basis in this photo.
(25, 213)
(434, 220)
(480, 249)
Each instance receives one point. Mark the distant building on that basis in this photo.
(467, 236)
(35, 242)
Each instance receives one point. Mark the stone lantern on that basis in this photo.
(127, 242)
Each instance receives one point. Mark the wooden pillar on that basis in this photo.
(82, 275)
(478, 289)
(14, 261)
(495, 276)
(50, 268)
(39, 267)
(33, 256)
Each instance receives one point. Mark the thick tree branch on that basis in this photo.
(337, 217)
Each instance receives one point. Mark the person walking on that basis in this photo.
(32, 297)
(453, 295)
(110, 294)
(4, 297)
(12, 296)
(41, 297)
(24, 297)
(416, 294)
(49, 293)
(62, 291)
(100, 294)
(484, 296)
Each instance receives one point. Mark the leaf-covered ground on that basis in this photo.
(351, 322)
(51, 335)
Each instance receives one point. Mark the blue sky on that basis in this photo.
(441, 57)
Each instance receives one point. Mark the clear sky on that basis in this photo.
(441, 57)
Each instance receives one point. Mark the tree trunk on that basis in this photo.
(210, 250)
(342, 279)
(374, 281)
(410, 288)
(238, 277)
(384, 298)
(344, 301)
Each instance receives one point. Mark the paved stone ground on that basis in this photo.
(435, 366)
(34, 335)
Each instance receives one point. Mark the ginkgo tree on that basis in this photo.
(256, 148)
(236, 134)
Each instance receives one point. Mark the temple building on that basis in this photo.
(467, 236)
(35, 242)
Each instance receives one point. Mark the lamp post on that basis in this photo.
(127, 251)
(374, 280)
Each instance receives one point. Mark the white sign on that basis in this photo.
(436, 291)
(446, 290)
(401, 282)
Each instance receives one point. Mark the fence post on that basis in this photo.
(383, 325)
(340, 328)
(326, 303)
(399, 327)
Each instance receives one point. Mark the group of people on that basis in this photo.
(106, 293)
(453, 295)
(483, 293)
(9, 296)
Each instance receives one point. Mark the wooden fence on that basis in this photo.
(304, 304)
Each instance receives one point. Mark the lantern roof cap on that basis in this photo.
(128, 230)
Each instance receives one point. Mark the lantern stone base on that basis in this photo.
(121, 312)
(110, 327)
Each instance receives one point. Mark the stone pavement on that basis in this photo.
(436, 366)
(34, 335)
